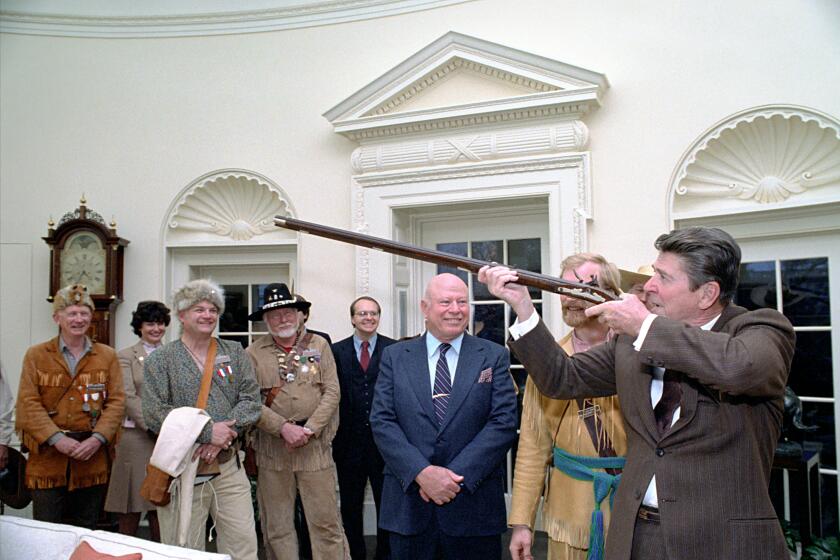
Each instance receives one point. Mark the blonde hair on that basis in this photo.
(608, 276)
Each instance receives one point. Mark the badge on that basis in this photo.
(290, 377)
(86, 407)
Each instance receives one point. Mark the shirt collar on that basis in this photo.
(432, 343)
(357, 342)
(708, 326)
(62, 347)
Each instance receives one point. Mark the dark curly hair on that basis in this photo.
(149, 312)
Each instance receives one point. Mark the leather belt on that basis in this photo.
(648, 513)
(78, 436)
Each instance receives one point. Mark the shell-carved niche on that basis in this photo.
(765, 156)
(232, 206)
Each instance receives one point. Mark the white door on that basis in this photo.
(800, 277)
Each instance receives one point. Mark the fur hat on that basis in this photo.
(75, 294)
(196, 291)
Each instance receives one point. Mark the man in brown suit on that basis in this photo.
(701, 383)
(70, 405)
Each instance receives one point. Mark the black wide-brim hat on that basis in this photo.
(277, 296)
(13, 490)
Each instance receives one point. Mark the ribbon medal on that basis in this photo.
(225, 372)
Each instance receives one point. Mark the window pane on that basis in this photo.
(525, 254)
(490, 251)
(257, 303)
(828, 490)
(489, 322)
(243, 339)
(822, 416)
(805, 296)
(811, 371)
(235, 317)
(757, 285)
(459, 249)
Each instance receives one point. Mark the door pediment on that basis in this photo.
(459, 81)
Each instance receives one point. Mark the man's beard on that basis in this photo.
(574, 316)
(288, 332)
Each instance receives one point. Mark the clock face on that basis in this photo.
(83, 262)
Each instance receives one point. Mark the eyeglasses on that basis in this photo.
(366, 314)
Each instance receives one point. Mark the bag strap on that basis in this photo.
(207, 377)
(605, 450)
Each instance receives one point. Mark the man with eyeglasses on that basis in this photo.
(356, 457)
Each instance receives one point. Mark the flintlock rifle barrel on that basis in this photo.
(546, 283)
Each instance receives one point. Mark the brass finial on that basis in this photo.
(51, 223)
(113, 223)
(83, 200)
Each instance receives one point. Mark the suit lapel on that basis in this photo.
(418, 375)
(688, 403)
(642, 377)
(466, 376)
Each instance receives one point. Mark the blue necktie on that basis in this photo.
(443, 384)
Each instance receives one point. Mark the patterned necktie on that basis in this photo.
(667, 405)
(364, 357)
(443, 384)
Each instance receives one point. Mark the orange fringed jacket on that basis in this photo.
(44, 377)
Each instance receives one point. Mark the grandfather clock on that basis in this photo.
(84, 250)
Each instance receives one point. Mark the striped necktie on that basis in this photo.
(443, 384)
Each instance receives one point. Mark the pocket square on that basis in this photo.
(486, 376)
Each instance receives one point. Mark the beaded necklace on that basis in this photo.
(286, 361)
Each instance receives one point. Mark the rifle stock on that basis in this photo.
(546, 283)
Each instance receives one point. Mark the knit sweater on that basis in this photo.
(172, 380)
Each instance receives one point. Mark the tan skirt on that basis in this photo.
(128, 471)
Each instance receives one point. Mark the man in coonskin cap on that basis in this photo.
(70, 405)
(299, 385)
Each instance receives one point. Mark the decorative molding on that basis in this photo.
(565, 161)
(551, 89)
(362, 253)
(234, 204)
(446, 69)
(134, 19)
(762, 157)
(480, 146)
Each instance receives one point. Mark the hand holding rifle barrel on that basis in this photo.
(581, 290)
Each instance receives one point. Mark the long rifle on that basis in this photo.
(579, 290)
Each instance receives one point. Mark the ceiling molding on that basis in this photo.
(131, 19)
(543, 89)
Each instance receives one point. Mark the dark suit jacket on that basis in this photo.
(479, 428)
(713, 466)
(348, 366)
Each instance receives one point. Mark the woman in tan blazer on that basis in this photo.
(149, 322)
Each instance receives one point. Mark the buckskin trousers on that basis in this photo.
(276, 494)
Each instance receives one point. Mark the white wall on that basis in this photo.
(130, 122)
